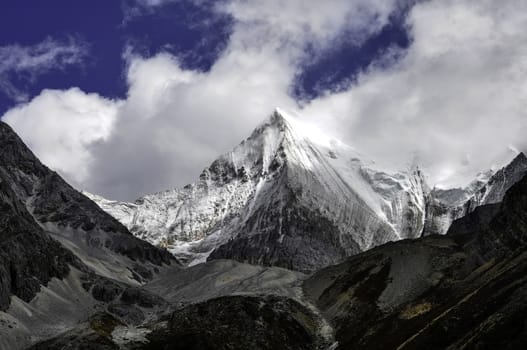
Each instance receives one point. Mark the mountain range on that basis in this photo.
(292, 197)
(292, 240)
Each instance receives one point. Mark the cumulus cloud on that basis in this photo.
(61, 126)
(455, 99)
(180, 120)
(29, 62)
(174, 122)
(296, 22)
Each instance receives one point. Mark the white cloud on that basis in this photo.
(455, 99)
(61, 126)
(296, 22)
(28, 62)
(174, 122)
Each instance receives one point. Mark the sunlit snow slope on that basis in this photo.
(285, 196)
(290, 196)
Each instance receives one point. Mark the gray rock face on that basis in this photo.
(445, 206)
(288, 234)
(51, 200)
(58, 245)
(463, 290)
(29, 258)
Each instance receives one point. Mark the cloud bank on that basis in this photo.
(455, 99)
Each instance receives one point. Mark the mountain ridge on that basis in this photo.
(282, 160)
(290, 170)
(72, 276)
(62, 258)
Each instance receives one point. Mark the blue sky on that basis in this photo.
(129, 97)
(106, 30)
(193, 32)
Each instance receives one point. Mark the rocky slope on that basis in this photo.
(286, 196)
(221, 304)
(72, 277)
(463, 290)
(445, 206)
(62, 258)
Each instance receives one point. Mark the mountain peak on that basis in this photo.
(4, 127)
(297, 128)
(278, 119)
(281, 113)
(517, 166)
(519, 159)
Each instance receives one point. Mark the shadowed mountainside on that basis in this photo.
(464, 290)
(62, 258)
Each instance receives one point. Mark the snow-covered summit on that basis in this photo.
(287, 195)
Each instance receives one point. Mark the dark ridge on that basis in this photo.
(55, 201)
(29, 258)
(240, 322)
(464, 290)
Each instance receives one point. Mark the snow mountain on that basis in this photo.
(292, 197)
(71, 276)
(286, 196)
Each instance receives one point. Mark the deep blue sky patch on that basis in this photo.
(337, 68)
(195, 34)
(192, 31)
(95, 22)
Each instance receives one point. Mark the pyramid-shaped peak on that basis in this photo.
(282, 113)
(520, 158)
(518, 165)
(298, 128)
(281, 117)
(277, 122)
